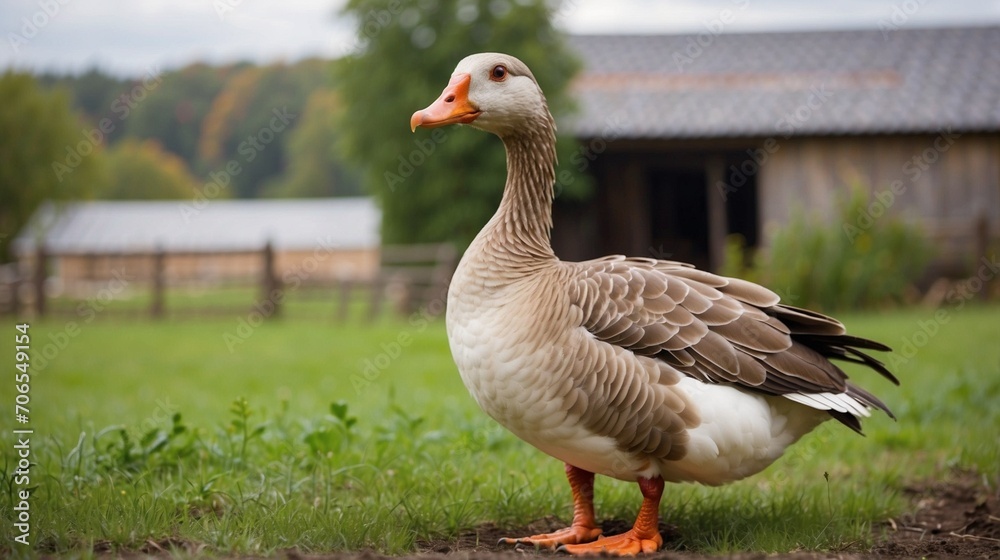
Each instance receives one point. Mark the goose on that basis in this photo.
(639, 369)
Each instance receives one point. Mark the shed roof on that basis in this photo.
(707, 85)
(217, 225)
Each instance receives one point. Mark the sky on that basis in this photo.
(139, 37)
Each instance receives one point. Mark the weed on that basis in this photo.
(838, 266)
(240, 430)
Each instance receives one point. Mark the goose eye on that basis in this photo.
(498, 73)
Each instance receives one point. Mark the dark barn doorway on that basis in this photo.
(693, 210)
(678, 210)
(664, 204)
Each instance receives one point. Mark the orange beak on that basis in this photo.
(451, 107)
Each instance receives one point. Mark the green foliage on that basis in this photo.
(213, 116)
(331, 434)
(251, 120)
(91, 94)
(240, 430)
(314, 168)
(174, 112)
(143, 170)
(836, 264)
(155, 449)
(43, 154)
(441, 185)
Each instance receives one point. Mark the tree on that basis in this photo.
(93, 95)
(445, 184)
(251, 119)
(45, 153)
(313, 166)
(173, 114)
(141, 169)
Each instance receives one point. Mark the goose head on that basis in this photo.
(490, 91)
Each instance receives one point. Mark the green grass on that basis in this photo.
(326, 453)
(238, 298)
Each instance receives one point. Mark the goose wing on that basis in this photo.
(724, 330)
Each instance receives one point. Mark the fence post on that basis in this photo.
(271, 286)
(15, 291)
(377, 292)
(444, 268)
(159, 283)
(343, 313)
(717, 213)
(41, 260)
(982, 234)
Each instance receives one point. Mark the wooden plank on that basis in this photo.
(417, 253)
(717, 220)
(159, 284)
(39, 278)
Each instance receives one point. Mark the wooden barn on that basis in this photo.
(694, 137)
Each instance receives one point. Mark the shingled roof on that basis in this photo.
(784, 84)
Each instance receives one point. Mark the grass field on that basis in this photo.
(325, 437)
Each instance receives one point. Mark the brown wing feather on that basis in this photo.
(720, 330)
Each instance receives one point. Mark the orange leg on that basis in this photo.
(644, 536)
(584, 528)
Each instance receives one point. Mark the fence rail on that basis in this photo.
(409, 275)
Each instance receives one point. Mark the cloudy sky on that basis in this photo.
(134, 37)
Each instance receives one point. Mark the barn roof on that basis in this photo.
(708, 85)
(216, 225)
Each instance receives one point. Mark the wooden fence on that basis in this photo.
(410, 276)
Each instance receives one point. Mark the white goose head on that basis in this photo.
(494, 92)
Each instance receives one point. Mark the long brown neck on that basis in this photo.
(521, 228)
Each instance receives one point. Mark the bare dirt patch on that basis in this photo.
(957, 518)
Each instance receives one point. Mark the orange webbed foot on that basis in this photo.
(577, 534)
(629, 543)
(584, 528)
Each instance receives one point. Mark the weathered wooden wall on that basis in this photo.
(945, 182)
